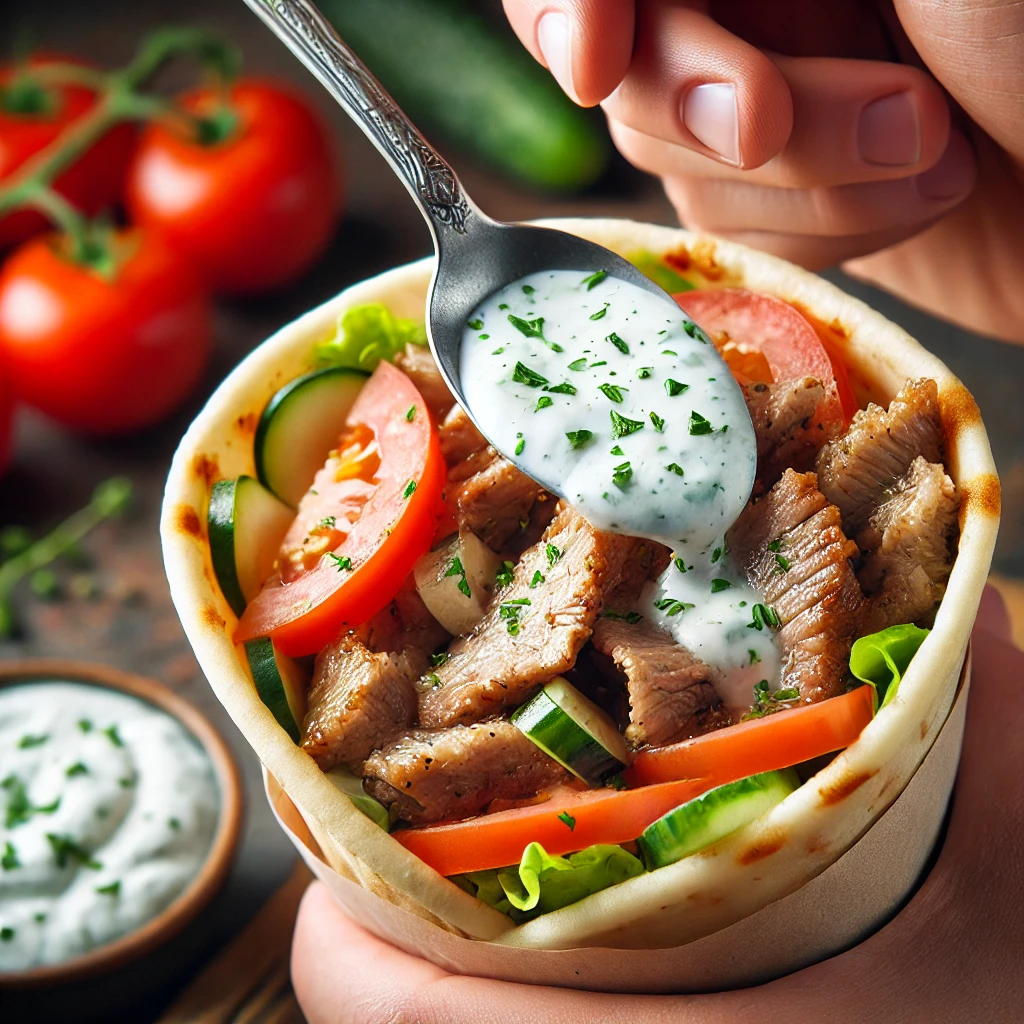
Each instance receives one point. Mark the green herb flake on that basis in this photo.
(669, 352)
(498, 350)
(520, 444)
(85, 725)
(699, 425)
(594, 280)
(113, 735)
(631, 617)
(718, 585)
(553, 554)
(437, 660)
(537, 580)
(578, 364)
(643, 372)
(112, 889)
(7, 933)
(679, 563)
(522, 374)
(174, 824)
(328, 522)
(9, 861)
(764, 615)
(580, 438)
(528, 289)
(410, 413)
(782, 563)
(543, 403)
(755, 658)
(567, 820)
(531, 328)
(623, 427)
(600, 314)
(475, 325)
(503, 306)
(673, 387)
(611, 391)
(75, 769)
(674, 467)
(434, 679)
(618, 343)
(456, 569)
(716, 554)
(766, 702)
(621, 475)
(27, 741)
(659, 423)
(670, 606)
(484, 337)
(564, 388)
(600, 362)
(504, 574)
(409, 490)
(775, 545)
(340, 561)
(65, 849)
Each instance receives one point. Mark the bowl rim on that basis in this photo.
(211, 875)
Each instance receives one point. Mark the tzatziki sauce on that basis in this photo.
(611, 397)
(108, 807)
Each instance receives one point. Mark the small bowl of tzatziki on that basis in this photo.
(120, 813)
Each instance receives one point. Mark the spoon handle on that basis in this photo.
(425, 173)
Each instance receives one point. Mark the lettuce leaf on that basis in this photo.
(543, 882)
(659, 272)
(881, 659)
(367, 334)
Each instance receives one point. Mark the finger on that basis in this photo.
(585, 44)
(694, 84)
(724, 205)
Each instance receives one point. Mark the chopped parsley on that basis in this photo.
(754, 656)
(775, 545)
(644, 372)
(113, 735)
(659, 423)
(85, 725)
(456, 569)
(567, 820)
(716, 554)
(600, 362)
(510, 611)
(618, 343)
(565, 388)
(766, 702)
(718, 585)
(522, 374)
(553, 554)
(27, 741)
(674, 467)
(174, 824)
(580, 438)
(764, 615)
(328, 522)
(578, 364)
(528, 289)
(679, 563)
(617, 450)
(621, 475)
(537, 579)
(113, 889)
(623, 427)
(699, 425)
(410, 488)
(599, 315)
(340, 561)
(484, 337)
(782, 563)
(410, 413)
(9, 861)
(75, 769)
(475, 325)
(673, 387)
(533, 329)
(520, 444)
(595, 279)
(7, 933)
(503, 577)
(542, 403)
(19, 808)
(434, 679)
(668, 352)
(670, 606)
(631, 617)
(611, 391)
(498, 350)
(65, 849)
(437, 660)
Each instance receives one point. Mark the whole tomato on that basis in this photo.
(34, 116)
(109, 350)
(250, 210)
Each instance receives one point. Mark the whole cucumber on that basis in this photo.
(460, 81)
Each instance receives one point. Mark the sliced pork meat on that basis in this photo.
(493, 502)
(671, 695)
(856, 470)
(792, 545)
(909, 545)
(416, 362)
(459, 437)
(427, 776)
(363, 689)
(784, 425)
(534, 628)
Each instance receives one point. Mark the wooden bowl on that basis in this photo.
(173, 918)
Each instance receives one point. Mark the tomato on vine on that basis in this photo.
(252, 197)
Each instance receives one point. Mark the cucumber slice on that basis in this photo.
(300, 426)
(347, 783)
(574, 731)
(246, 524)
(281, 683)
(713, 815)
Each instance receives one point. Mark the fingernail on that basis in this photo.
(888, 132)
(953, 175)
(556, 47)
(711, 116)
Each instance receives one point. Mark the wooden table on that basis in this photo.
(131, 623)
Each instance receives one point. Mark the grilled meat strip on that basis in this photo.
(856, 470)
(909, 541)
(362, 692)
(428, 776)
(786, 433)
(671, 695)
(416, 362)
(530, 634)
(792, 545)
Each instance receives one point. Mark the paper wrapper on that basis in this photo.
(835, 910)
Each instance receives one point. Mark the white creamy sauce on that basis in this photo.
(108, 807)
(610, 396)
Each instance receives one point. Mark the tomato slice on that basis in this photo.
(747, 327)
(760, 745)
(386, 490)
(664, 778)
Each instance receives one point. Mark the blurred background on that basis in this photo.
(109, 602)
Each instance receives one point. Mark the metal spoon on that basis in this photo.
(475, 255)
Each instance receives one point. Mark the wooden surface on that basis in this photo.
(131, 624)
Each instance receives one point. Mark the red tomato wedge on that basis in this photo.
(744, 324)
(664, 778)
(392, 525)
(497, 840)
(760, 745)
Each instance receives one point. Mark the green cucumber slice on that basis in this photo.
(352, 786)
(281, 683)
(300, 426)
(713, 815)
(246, 524)
(574, 731)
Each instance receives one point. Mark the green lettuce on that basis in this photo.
(881, 659)
(543, 882)
(659, 272)
(367, 334)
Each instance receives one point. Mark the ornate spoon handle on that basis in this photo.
(426, 174)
